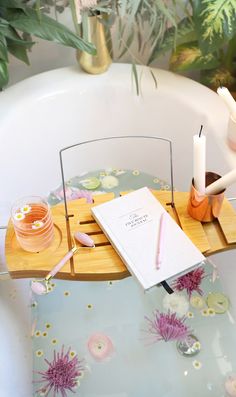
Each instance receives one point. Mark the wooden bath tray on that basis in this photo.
(102, 262)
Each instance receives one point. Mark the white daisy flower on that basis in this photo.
(39, 353)
(136, 172)
(19, 216)
(119, 172)
(197, 345)
(197, 364)
(176, 303)
(205, 313)
(72, 353)
(190, 315)
(26, 209)
(197, 302)
(37, 224)
(211, 312)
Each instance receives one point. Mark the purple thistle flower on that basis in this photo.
(167, 327)
(62, 374)
(190, 281)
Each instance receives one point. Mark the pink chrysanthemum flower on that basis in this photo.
(62, 374)
(167, 327)
(190, 282)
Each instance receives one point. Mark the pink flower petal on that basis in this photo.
(100, 346)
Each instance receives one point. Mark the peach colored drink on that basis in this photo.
(33, 224)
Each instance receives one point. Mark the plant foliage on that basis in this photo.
(18, 20)
(215, 22)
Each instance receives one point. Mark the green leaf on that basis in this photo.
(12, 4)
(182, 34)
(213, 78)
(215, 22)
(190, 57)
(166, 11)
(3, 48)
(9, 32)
(135, 73)
(18, 51)
(4, 77)
(127, 44)
(49, 29)
(154, 78)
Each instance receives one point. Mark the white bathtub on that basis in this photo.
(44, 113)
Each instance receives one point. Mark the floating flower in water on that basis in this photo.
(62, 374)
(18, 216)
(72, 353)
(190, 315)
(37, 334)
(197, 345)
(135, 172)
(218, 302)
(37, 224)
(197, 364)
(119, 172)
(39, 353)
(176, 303)
(109, 182)
(26, 209)
(90, 183)
(197, 302)
(166, 187)
(190, 281)
(73, 194)
(205, 313)
(211, 312)
(100, 346)
(167, 327)
(230, 386)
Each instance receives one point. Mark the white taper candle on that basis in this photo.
(199, 162)
(224, 93)
(222, 183)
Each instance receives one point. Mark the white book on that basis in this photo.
(131, 223)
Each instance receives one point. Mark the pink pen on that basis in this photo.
(161, 239)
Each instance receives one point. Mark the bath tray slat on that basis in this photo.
(227, 220)
(102, 262)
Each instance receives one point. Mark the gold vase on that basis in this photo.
(99, 63)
